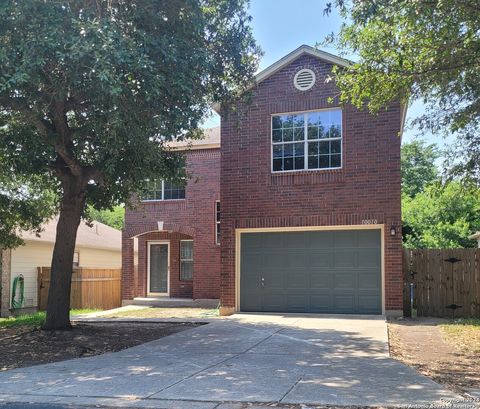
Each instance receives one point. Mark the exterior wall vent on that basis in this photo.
(304, 79)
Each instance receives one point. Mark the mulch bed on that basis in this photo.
(26, 346)
(421, 344)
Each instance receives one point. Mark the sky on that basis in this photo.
(280, 26)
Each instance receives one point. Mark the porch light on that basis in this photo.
(393, 231)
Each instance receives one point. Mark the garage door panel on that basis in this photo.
(321, 279)
(296, 302)
(369, 238)
(311, 271)
(251, 242)
(345, 238)
(272, 260)
(251, 301)
(296, 279)
(252, 264)
(319, 240)
(274, 280)
(321, 302)
(369, 258)
(344, 281)
(274, 301)
(295, 241)
(320, 259)
(369, 280)
(369, 304)
(297, 260)
(344, 303)
(271, 241)
(345, 258)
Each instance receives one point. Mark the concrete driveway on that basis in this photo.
(244, 358)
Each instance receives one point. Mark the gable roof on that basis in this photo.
(292, 56)
(314, 52)
(99, 236)
(211, 140)
(303, 49)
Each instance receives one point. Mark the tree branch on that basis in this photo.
(20, 105)
(63, 143)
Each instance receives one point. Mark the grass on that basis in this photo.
(35, 319)
(464, 334)
(177, 312)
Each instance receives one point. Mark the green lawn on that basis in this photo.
(35, 320)
(464, 334)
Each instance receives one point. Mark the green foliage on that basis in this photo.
(418, 166)
(113, 217)
(35, 319)
(417, 49)
(90, 92)
(32, 320)
(442, 216)
(24, 205)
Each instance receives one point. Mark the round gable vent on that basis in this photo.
(304, 79)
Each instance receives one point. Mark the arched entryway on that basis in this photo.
(163, 268)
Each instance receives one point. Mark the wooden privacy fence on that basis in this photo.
(439, 283)
(91, 288)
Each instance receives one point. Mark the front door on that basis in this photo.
(158, 268)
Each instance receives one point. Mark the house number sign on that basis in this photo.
(369, 221)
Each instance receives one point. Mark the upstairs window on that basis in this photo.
(307, 141)
(163, 190)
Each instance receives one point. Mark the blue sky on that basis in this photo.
(280, 26)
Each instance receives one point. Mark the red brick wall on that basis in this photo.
(367, 187)
(193, 217)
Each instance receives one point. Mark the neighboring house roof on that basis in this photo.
(210, 141)
(99, 236)
(475, 236)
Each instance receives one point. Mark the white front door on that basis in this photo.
(158, 267)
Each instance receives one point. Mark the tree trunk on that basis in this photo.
(71, 209)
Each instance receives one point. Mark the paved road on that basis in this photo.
(246, 358)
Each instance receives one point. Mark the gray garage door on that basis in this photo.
(314, 271)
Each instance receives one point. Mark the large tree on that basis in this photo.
(90, 91)
(24, 205)
(111, 217)
(418, 166)
(441, 216)
(418, 49)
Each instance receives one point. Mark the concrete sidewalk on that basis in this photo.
(245, 358)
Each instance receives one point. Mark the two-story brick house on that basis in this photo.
(310, 204)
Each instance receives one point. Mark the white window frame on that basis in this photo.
(217, 221)
(305, 141)
(180, 258)
(163, 195)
